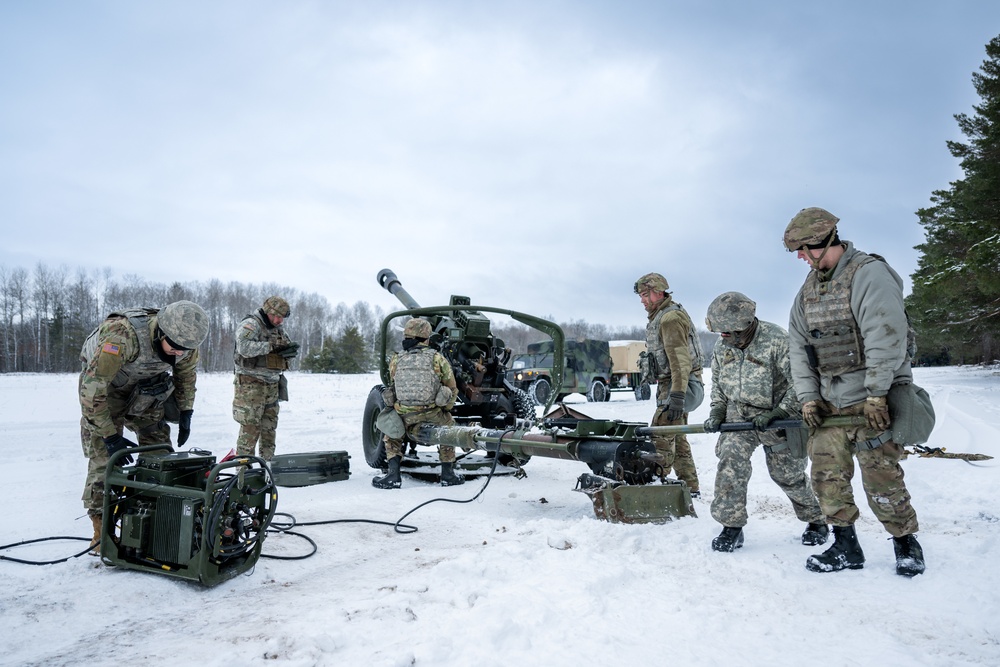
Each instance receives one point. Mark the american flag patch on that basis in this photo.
(110, 348)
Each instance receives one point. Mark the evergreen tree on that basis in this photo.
(321, 360)
(955, 304)
(351, 353)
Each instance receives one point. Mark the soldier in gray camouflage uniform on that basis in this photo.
(848, 346)
(751, 382)
(262, 353)
(132, 364)
(674, 359)
(422, 390)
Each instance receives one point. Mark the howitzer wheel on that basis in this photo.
(371, 436)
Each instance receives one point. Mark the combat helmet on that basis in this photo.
(184, 323)
(811, 227)
(417, 327)
(276, 306)
(651, 281)
(729, 312)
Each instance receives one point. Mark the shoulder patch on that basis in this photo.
(111, 348)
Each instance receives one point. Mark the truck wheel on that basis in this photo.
(540, 390)
(371, 437)
(598, 392)
(642, 392)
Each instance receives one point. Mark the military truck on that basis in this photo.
(586, 370)
(627, 373)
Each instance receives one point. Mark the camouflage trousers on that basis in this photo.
(676, 451)
(729, 506)
(436, 416)
(832, 452)
(255, 408)
(149, 428)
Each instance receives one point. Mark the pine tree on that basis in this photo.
(351, 352)
(955, 304)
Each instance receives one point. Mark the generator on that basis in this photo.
(184, 515)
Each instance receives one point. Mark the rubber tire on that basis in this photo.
(598, 392)
(524, 406)
(540, 390)
(371, 436)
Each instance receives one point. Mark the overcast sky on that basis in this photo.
(537, 156)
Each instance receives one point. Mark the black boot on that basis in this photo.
(392, 479)
(730, 539)
(815, 534)
(909, 555)
(845, 553)
(448, 476)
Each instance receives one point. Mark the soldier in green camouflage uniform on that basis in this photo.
(132, 364)
(262, 353)
(751, 382)
(848, 346)
(674, 355)
(422, 390)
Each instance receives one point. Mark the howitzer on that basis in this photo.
(478, 359)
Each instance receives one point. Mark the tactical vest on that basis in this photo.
(271, 361)
(659, 365)
(832, 328)
(147, 365)
(416, 382)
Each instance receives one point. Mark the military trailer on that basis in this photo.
(586, 370)
(627, 373)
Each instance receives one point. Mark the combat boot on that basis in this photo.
(845, 553)
(448, 476)
(95, 543)
(730, 539)
(909, 555)
(391, 480)
(815, 534)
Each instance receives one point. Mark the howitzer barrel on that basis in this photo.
(614, 453)
(843, 420)
(388, 280)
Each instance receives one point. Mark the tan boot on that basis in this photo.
(95, 545)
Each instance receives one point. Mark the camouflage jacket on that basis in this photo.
(440, 367)
(755, 380)
(256, 337)
(876, 302)
(107, 371)
(673, 346)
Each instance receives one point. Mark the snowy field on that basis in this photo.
(510, 579)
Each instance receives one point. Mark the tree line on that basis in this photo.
(46, 314)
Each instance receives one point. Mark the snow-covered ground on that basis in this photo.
(510, 579)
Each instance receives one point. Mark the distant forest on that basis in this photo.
(46, 313)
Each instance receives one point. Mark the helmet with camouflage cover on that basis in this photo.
(417, 327)
(731, 311)
(810, 227)
(276, 306)
(651, 281)
(184, 323)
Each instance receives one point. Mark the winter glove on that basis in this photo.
(877, 413)
(184, 427)
(115, 443)
(289, 351)
(814, 411)
(715, 419)
(675, 406)
(761, 422)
